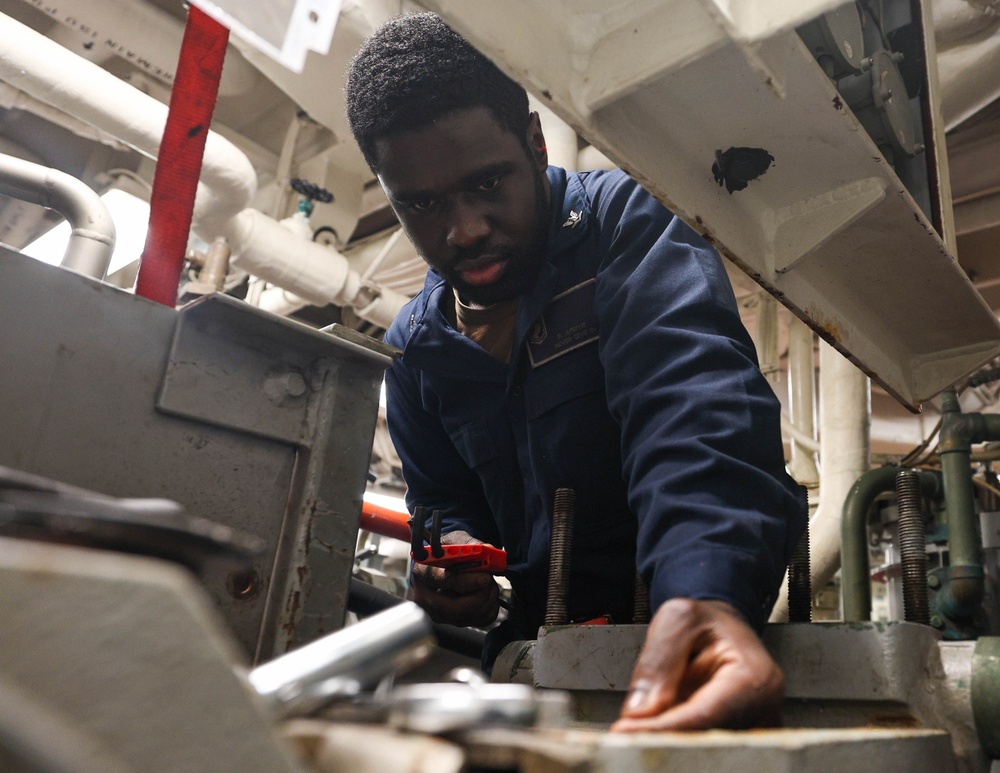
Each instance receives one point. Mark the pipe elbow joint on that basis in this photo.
(960, 430)
(965, 591)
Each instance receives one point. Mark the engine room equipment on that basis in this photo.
(32, 507)
(956, 587)
(128, 652)
(246, 419)
(896, 686)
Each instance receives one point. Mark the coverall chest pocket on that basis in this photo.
(475, 443)
(564, 379)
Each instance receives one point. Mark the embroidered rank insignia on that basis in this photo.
(573, 219)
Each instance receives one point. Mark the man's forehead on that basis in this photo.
(448, 149)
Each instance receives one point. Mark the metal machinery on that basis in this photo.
(253, 432)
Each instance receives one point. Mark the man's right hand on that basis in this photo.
(456, 598)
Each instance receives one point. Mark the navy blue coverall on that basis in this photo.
(631, 380)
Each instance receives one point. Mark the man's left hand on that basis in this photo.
(702, 667)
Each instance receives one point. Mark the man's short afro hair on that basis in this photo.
(414, 70)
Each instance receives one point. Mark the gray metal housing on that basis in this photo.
(244, 418)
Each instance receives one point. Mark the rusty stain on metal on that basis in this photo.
(900, 721)
(830, 331)
(292, 607)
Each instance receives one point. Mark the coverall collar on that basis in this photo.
(432, 339)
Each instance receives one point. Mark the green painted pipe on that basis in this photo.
(985, 693)
(965, 572)
(959, 431)
(855, 574)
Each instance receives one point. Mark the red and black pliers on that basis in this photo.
(460, 558)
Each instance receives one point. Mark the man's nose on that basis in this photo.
(467, 225)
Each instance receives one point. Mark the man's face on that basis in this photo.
(473, 200)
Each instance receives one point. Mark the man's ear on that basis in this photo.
(536, 142)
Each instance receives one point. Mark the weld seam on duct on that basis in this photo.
(192, 103)
(92, 240)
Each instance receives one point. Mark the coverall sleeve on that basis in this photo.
(436, 476)
(701, 446)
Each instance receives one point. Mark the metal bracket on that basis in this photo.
(235, 366)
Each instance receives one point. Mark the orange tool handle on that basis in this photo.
(470, 557)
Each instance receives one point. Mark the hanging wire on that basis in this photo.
(909, 459)
(975, 481)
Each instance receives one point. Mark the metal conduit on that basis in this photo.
(92, 240)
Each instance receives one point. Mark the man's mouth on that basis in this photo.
(482, 271)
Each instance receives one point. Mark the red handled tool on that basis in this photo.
(462, 558)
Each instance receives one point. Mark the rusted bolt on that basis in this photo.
(563, 515)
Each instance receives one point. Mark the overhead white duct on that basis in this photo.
(802, 404)
(46, 71)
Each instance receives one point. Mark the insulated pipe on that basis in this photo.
(48, 72)
(845, 421)
(318, 274)
(767, 338)
(801, 391)
(13, 99)
(92, 240)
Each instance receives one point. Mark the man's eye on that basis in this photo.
(490, 184)
(422, 205)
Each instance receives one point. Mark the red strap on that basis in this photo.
(178, 167)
